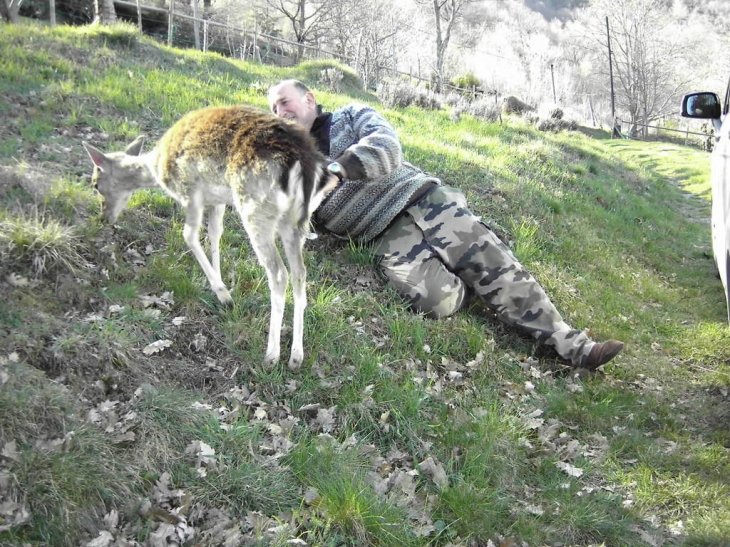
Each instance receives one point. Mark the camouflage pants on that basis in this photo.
(437, 251)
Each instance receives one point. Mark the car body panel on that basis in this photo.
(707, 105)
(721, 206)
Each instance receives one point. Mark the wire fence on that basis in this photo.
(177, 26)
(706, 141)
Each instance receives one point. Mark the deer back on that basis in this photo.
(244, 148)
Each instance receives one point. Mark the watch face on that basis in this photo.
(336, 169)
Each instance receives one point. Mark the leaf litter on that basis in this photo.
(177, 520)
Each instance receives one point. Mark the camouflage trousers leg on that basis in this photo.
(438, 250)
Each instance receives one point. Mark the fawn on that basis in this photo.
(266, 168)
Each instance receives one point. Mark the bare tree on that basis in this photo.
(644, 56)
(308, 19)
(370, 34)
(446, 14)
(9, 10)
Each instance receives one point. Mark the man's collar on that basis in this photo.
(322, 118)
(321, 130)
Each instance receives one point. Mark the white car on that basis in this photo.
(707, 105)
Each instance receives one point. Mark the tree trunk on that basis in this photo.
(448, 11)
(9, 10)
(439, 47)
(107, 15)
(300, 33)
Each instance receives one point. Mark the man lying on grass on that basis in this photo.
(430, 247)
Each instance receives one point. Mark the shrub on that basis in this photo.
(484, 109)
(556, 114)
(454, 99)
(467, 81)
(395, 93)
(400, 93)
(555, 125)
(427, 100)
(512, 105)
(310, 72)
(331, 79)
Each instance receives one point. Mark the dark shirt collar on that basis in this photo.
(321, 130)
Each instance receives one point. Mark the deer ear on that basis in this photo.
(135, 147)
(96, 155)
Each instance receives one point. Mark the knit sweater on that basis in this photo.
(380, 184)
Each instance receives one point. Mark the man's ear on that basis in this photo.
(309, 96)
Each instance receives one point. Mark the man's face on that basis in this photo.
(287, 102)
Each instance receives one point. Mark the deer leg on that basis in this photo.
(191, 234)
(293, 240)
(263, 241)
(215, 231)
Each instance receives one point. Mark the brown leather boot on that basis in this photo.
(601, 353)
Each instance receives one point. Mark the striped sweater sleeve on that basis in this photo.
(379, 184)
(373, 149)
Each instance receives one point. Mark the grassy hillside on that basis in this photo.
(133, 411)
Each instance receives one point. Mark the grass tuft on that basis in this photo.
(42, 243)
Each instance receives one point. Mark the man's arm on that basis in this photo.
(375, 151)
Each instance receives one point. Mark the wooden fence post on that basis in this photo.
(139, 16)
(169, 23)
(196, 25)
(256, 54)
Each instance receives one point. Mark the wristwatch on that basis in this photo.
(336, 169)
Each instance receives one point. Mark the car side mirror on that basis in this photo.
(704, 106)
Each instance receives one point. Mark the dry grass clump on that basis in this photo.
(41, 242)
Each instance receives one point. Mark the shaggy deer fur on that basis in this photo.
(266, 168)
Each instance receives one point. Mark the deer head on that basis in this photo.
(117, 175)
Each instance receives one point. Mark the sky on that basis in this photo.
(555, 9)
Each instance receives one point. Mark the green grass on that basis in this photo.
(397, 430)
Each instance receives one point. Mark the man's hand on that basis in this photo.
(332, 182)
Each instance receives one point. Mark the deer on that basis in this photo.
(266, 168)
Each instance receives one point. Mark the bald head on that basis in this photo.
(292, 100)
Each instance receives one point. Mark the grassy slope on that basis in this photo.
(617, 232)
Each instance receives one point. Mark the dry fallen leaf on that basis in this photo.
(569, 469)
(435, 471)
(115, 309)
(104, 539)
(10, 451)
(156, 347)
(325, 420)
(17, 281)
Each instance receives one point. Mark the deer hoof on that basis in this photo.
(270, 361)
(225, 297)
